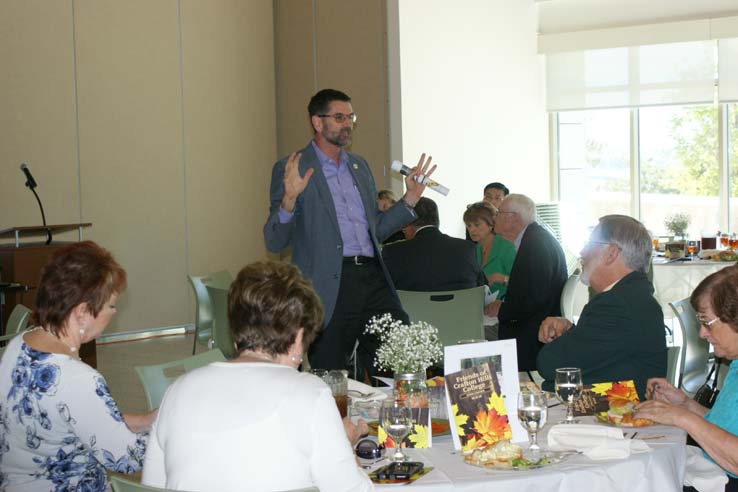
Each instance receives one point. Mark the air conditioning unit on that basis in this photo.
(548, 215)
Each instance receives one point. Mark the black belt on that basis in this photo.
(359, 260)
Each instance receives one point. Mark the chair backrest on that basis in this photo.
(120, 484)
(673, 365)
(221, 328)
(695, 350)
(18, 319)
(457, 314)
(574, 296)
(204, 315)
(157, 378)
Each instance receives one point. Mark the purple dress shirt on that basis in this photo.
(350, 212)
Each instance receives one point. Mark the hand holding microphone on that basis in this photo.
(423, 179)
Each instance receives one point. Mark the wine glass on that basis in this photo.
(397, 422)
(569, 389)
(532, 413)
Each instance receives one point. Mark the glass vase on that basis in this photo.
(411, 388)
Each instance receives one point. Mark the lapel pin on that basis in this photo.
(356, 166)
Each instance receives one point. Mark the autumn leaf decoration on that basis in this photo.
(623, 390)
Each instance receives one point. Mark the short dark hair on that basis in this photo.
(323, 98)
(387, 195)
(427, 211)
(497, 186)
(268, 303)
(720, 291)
(82, 272)
(480, 212)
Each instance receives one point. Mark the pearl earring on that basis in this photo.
(295, 359)
(81, 331)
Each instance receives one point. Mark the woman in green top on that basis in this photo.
(494, 253)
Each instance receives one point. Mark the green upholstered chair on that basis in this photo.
(204, 315)
(695, 350)
(18, 319)
(221, 327)
(457, 314)
(157, 378)
(120, 484)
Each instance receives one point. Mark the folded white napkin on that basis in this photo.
(703, 474)
(596, 442)
(359, 391)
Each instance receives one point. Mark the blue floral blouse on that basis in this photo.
(59, 427)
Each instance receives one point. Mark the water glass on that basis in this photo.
(532, 413)
(568, 385)
(397, 422)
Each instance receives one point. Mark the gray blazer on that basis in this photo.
(313, 233)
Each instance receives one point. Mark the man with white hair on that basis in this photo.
(620, 333)
(536, 279)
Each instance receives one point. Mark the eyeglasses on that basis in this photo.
(606, 243)
(503, 212)
(707, 324)
(340, 117)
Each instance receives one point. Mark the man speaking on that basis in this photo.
(323, 204)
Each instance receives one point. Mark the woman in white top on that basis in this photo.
(255, 423)
(60, 429)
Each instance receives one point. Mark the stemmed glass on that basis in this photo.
(569, 389)
(532, 413)
(397, 423)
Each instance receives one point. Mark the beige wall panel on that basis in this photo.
(295, 83)
(37, 112)
(351, 56)
(131, 151)
(230, 136)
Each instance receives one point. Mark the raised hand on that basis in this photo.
(294, 184)
(660, 389)
(414, 189)
(552, 328)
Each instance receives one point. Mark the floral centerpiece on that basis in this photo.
(407, 351)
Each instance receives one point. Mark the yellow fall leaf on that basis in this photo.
(496, 402)
(381, 435)
(419, 437)
(472, 443)
(459, 419)
(601, 388)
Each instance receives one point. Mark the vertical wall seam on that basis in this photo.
(315, 46)
(76, 119)
(184, 152)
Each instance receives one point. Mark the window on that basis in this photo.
(675, 154)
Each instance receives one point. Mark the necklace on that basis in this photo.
(70, 348)
(256, 355)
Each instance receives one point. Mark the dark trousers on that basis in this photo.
(363, 293)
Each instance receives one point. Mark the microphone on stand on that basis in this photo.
(31, 185)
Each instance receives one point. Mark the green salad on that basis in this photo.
(522, 463)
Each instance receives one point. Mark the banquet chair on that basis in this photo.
(457, 314)
(120, 484)
(695, 350)
(222, 338)
(18, 319)
(204, 313)
(673, 365)
(573, 296)
(156, 378)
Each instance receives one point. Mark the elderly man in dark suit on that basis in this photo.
(323, 204)
(430, 261)
(536, 280)
(620, 333)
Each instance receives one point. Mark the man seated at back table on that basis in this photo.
(620, 333)
(430, 261)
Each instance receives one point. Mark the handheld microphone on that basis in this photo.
(30, 182)
(399, 167)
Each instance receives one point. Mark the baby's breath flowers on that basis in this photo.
(404, 349)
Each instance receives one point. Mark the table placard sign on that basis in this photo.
(596, 397)
(503, 363)
(421, 435)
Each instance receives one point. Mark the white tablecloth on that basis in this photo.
(661, 469)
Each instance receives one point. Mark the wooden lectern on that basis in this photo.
(21, 263)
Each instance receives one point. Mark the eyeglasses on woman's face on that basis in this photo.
(707, 324)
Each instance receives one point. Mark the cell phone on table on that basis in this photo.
(399, 471)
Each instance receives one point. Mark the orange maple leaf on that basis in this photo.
(623, 390)
(491, 426)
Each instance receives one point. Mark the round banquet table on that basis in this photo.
(660, 469)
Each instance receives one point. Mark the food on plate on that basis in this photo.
(726, 255)
(501, 454)
(621, 413)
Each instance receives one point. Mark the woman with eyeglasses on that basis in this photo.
(715, 430)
